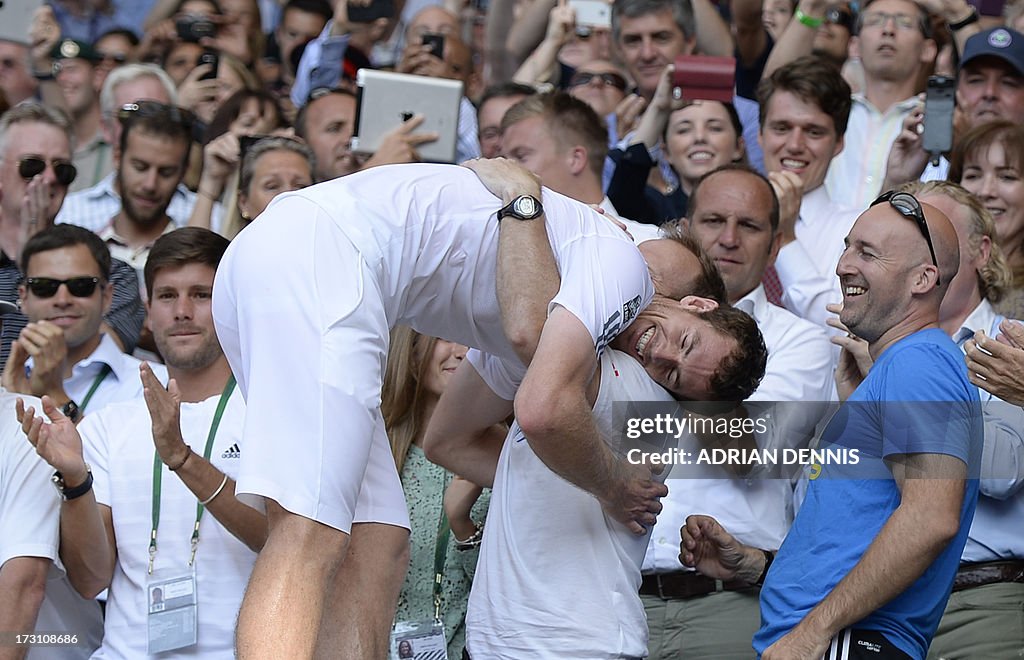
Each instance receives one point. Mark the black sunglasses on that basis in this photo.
(46, 287)
(63, 170)
(908, 206)
(613, 79)
(156, 110)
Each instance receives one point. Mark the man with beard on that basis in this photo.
(111, 480)
(35, 171)
(154, 147)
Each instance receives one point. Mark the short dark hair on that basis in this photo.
(228, 112)
(129, 35)
(321, 8)
(505, 90)
(682, 14)
(301, 129)
(709, 282)
(814, 81)
(773, 215)
(188, 245)
(65, 236)
(740, 373)
(570, 121)
(173, 124)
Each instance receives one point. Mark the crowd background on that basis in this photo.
(132, 119)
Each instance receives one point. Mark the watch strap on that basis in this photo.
(76, 492)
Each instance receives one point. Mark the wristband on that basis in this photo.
(473, 541)
(971, 19)
(183, 461)
(809, 21)
(768, 559)
(73, 493)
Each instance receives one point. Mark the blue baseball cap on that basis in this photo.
(1000, 42)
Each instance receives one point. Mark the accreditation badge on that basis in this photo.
(419, 640)
(173, 615)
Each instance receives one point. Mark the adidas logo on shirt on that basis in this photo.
(232, 452)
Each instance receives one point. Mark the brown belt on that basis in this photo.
(989, 572)
(684, 584)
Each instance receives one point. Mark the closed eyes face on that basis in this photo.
(275, 172)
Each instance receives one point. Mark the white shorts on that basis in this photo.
(307, 339)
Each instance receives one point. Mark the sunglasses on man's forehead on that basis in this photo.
(46, 287)
(908, 206)
(63, 170)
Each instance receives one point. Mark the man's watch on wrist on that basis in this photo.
(72, 493)
(970, 19)
(71, 411)
(523, 207)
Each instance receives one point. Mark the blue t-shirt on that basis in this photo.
(916, 399)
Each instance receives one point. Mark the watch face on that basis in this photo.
(526, 206)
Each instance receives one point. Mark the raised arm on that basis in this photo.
(201, 477)
(87, 545)
(554, 413)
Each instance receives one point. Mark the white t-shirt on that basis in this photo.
(556, 577)
(119, 447)
(435, 254)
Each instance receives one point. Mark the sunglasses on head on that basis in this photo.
(46, 287)
(612, 79)
(156, 110)
(908, 206)
(63, 170)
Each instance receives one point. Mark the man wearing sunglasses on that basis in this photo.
(63, 352)
(873, 551)
(35, 172)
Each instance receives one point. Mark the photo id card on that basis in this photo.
(172, 620)
(418, 640)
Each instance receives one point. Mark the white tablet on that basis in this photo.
(16, 19)
(386, 99)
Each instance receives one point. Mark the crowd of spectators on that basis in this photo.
(134, 131)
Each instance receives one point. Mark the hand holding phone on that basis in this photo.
(940, 101)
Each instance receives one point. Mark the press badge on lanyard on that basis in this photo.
(171, 595)
(425, 640)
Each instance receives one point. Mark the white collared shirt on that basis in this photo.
(93, 208)
(999, 518)
(855, 176)
(756, 511)
(807, 266)
(121, 384)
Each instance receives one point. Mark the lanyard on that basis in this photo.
(104, 372)
(440, 556)
(158, 469)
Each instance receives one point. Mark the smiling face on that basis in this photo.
(700, 138)
(732, 220)
(79, 318)
(440, 365)
(181, 318)
(879, 271)
(998, 182)
(677, 348)
(800, 137)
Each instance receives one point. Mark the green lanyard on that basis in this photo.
(440, 556)
(104, 372)
(158, 469)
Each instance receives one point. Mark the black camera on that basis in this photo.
(193, 27)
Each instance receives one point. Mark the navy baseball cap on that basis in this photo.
(1000, 42)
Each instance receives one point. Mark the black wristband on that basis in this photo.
(971, 19)
(73, 493)
(768, 559)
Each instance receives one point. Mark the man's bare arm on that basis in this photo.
(23, 584)
(527, 273)
(917, 532)
(461, 434)
(553, 410)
